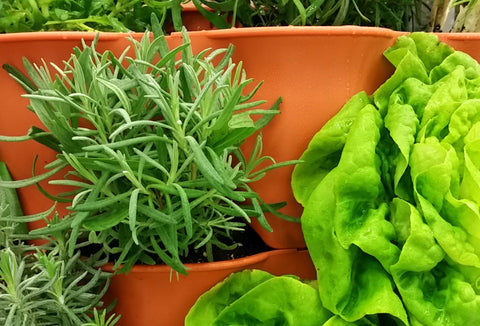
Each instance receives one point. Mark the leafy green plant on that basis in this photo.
(390, 188)
(398, 15)
(391, 192)
(255, 297)
(10, 228)
(153, 143)
(134, 15)
(102, 319)
(43, 284)
(86, 15)
(43, 289)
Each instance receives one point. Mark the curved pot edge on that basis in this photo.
(214, 33)
(210, 266)
(296, 31)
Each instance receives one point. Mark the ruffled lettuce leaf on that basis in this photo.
(254, 297)
(324, 149)
(213, 302)
(401, 204)
(345, 228)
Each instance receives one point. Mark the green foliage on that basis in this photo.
(44, 289)
(398, 15)
(10, 212)
(85, 15)
(44, 285)
(102, 319)
(391, 194)
(255, 297)
(391, 214)
(154, 146)
(134, 15)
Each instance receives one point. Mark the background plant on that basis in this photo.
(134, 15)
(86, 15)
(154, 147)
(398, 15)
(44, 285)
(455, 16)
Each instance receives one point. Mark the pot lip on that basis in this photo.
(212, 266)
(240, 32)
(213, 33)
(295, 31)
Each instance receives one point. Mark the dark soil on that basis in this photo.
(248, 243)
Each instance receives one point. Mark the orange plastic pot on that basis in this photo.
(157, 296)
(466, 42)
(314, 69)
(193, 20)
(16, 119)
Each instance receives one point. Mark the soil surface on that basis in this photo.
(248, 243)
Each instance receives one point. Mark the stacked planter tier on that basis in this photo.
(314, 69)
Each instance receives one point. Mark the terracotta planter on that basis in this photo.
(15, 119)
(314, 69)
(150, 288)
(156, 295)
(192, 19)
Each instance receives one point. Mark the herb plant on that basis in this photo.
(44, 289)
(44, 285)
(398, 15)
(10, 228)
(86, 15)
(153, 143)
(134, 15)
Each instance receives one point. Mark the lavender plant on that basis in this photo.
(153, 142)
(44, 285)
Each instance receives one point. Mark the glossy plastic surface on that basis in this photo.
(157, 296)
(16, 119)
(314, 69)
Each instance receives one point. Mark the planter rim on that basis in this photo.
(295, 31)
(213, 33)
(232, 32)
(460, 36)
(206, 267)
(190, 7)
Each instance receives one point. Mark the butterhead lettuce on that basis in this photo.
(393, 225)
(255, 297)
